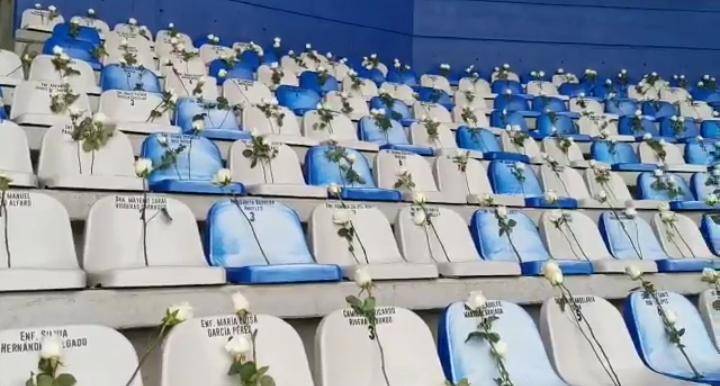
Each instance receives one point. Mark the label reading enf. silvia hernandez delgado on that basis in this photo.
(31, 340)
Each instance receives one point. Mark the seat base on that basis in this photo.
(292, 139)
(284, 273)
(686, 168)
(419, 150)
(542, 202)
(436, 197)
(287, 190)
(225, 135)
(611, 265)
(196, 187)
(21, 179)
(146, 127)
(29, 279)
(479, 268)
(360, 145)
(506, 155)
(41, 119)
(568, 267)
(395, 271)
(691, 206)
(370, 194)
(498, 199)
(157, 277)
(634, 167)
(683, 265)
(90, 182)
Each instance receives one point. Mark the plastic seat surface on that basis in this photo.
(219, 123)
(117, 77)
(15, 160)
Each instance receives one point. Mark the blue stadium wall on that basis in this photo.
(642, 35)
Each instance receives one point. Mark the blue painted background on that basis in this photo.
(668, 36)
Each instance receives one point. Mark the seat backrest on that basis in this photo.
(580, 105)
(246, 93)
(359, 107)
(60, 155)
(482, 140)
(552, 147)
(240, 70)
(511, 102)
(468, 99)
(710, 228)
(39, 19)
(320, 170)
(526, 360)
(399, 110)
(141, 51)
(659, 109)
(117, 77)
(297, 98)
(265, 76)
(541, 87)
(545, 104)
(284, 168)
(389, 164)
(576, 238)
(199, 160)
(114, 39)
(679, 128)
(556, 124)
(11, 65)
(366, 89)
(172, 234)
(88, 34)
(132, 106)
(399, 91)
(435, 81)
(651, 339)
(34, 97)
(402, 76)
(568, 348)
(709, 307)
(215, 118)
(277, 345)
(627, 125)
(701, 152)
(648, 189)
(565, 181)
(163, 47)
(192, 66)
(477, 85)
(246, 233)
(502, 86)
(682, 239)
(14, 150)
(42, 69)
(446, 240)
(210, 52)
(85, 354)
(281, 120)
(485, 232)
(431, 110)
(614, 189)
(32, 214)
(371, 131)
(340, 127)
(617, 153)
(591, 124)
(373, 243)
(673, 155)
(639, 236)
(184, 85)
(311, 80)
(443, 137)
(529, 148)
(456, 182)
(621, 107)
(503, 181)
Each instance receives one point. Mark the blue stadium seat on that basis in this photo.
(320, 171)
(710, 129)
(432, 95)
(626, 126)
(620, 156)
(394, 139)
(501, 87)
(690, 129)
(117, 77)
(704, 152)
(297, 99)
(644, 240)
(604, 91)
(511, 102)
(198, 161)
(399, 110)
(86, 34)
(650, 336)
(554, 124)
(486, 142)
(710, 229)
(311, 80)
(684, 201)
(544, 104)
(219, 123)
(659, 109)
(239, 71)
(575, 89)
(526, 359)
(76, 49)
(375, 75)
(252, 60)
(533, 255)
(621, 107)
(503, 181)
(502, 119)
(272, 54)
(702, 186)
(261, 242)
(407, 77)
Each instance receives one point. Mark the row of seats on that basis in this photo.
(555, 355)
(241, 244)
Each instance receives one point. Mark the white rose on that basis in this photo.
(143, 167)
(223, 177)
(519, 166)
(274, 65)
(555, 215)
(664, 207)
(91, 11)
(700, 84)
(57, 50)
(419, 198)
(476, 300)
(630, 212)
(671, 316)
(501, 348)
(341, 217)
(601, 196)
(308, 46)
(334, 189)
(171, 25)
(52, 8)
(51, 347)
(351, 158)
(709, 275)
(38, 5)
(551, 196)
(132, 21)
(222, 73)
(633, 272)
(623, 71)
(99, 118)
(362, 277)
(658, 172)
(240, 302)
(552, 272)
(716, 172)
(198, 125)
(238, 346)
(638, 113)
(182, 311)
(667, 216)
(647, 136)
(419, 217)
(541, 74)
(501, 212)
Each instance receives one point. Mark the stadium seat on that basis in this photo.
(242, 237)
(698, 110)
(702, 152)
(446, 243)
(431, 95)
(575, 359)
(503, 87)
(287, 130)
(478, 86)
(682, 239)
(526, 360)
(673, 160)
(472, 182)
(366, 88)
(42, 69)
(578, 238)
(265, 76)
(15, 155)
(339, 129)
(573, 156)
(87, 34)
(471, 115)
(374, 75)
(246, 93)
(621, 107)
(708, 311)
(403, 92)
(392, 165)
(710, 228)
(280, 176)
(620, 156)
(687, 129)
(430, 111)
(398, 111)
(40, 243)
(437, 82)
(659, 109)
(683, 200)
(616, 190)
(345, 356)
(76, 49)
(402, 76)
(297, 99)
(312, 80)
(484, 141)
(174, 257)
(198, 161)
(35, 19)
(554, 124)
(321, 171)
(546, 104)
(11, 68)
(501, 119)
(219, 123)
(640, 240)
(238, 71)
(470, 99)
(163, 47)
(674, 95)
(528, 149)
(710, 129)
(441, 139)
(512, 103)
(586, 105)
(65, 164)
(567, 182)
(131, 111)
(373, 246)
(209, 52)
(540, 87)
(31, 104)
(393, 138)
(185, 66)
(359, 107)
(646, 125)
(138, 47)
(185, 85)
(575, 89)
(277, 345)
(134, 30)
(504, 181)
(531, 253)
(124, 78)
(650, 336)
(84, 355)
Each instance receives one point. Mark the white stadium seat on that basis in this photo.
(246, 93)
(708, 306)
(11, 68)
(39, 20)
(437, 82)
(130, 111)
(367, 89)
(15, 155)
(389, 164)
(265, 75)
(340, 129)
(31, 104)
(285, 131)
(359, 106)
(42, 69)
(674, 161)
(184, 85)
(399, 91)
(683, 239)
(573, 157)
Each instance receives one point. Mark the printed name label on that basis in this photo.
(18, 199)
(383, 315)
(136, 202)
(230, 325)
(494, 308)
(31, 341)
